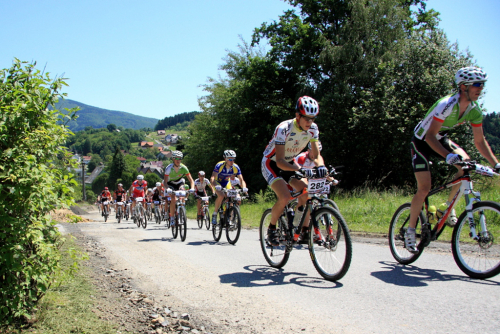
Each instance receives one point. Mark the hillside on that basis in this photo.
(100, 118)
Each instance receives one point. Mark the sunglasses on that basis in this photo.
(309, 119)
(231, 159)
(176, 159)
(477, 84)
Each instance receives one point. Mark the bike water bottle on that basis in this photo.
(431, 214)
(442, 208)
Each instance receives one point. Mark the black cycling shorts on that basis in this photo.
(421, 152)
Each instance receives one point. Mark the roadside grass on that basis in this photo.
(367, 210)
(67, 308)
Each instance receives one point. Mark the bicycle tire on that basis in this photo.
(332, 254)
(119, 215)
(182, 223)
(233, 225)
(276, 256)
(478, 259)
(218, 227)
(144, 220)
(105, 214)
(199, 220)
(206, 218)
(174, 228)
(397, 229)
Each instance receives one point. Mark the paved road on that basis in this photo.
(233, 285)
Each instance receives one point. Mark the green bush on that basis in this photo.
(32, 183)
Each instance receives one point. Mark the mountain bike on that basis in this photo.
(105, 210)
(127, 209)
(149, 211)
(331, 253)
(475, 240)
(205, 212)
(119, 211)
(140, 213)
(180, 225)
(229, 217)
(157, 212)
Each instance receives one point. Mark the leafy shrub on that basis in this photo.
(31, 185)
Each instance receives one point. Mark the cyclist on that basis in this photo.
(429, 139)
(158, 191)
(236, 184)
(201, 184)
(174, 179)
(119, 196)
(221, 175)
(105, 196)
(304, 161)
(137, 189)
(279, 165)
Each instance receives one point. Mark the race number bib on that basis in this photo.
(232, 193)
(316, 185)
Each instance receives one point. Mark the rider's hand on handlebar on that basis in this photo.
(497, 168)
(322, 171)
(453, 158)
(245, 190)
(306, 172)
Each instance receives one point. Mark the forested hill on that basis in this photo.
(100, 118)
(491, 127)
(176, 119)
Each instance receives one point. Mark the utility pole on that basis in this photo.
(84, 196)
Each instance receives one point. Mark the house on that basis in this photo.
(146, 144)
(86, 159)
(164, 154)
(151, 167)
(141, 159)
(161, 132)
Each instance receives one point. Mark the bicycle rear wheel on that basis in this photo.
(276, 256)
(175, 227)
(478, 258)
(182, 223)
(332, 253)
(206, 218)
(233, 225)
(144, 220)
(217, 228)
(397, 230)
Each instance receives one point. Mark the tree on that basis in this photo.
(87, 147)
(31, 186)
(117, 167)
(111, 127)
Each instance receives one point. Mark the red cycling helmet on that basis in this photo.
(307, 106)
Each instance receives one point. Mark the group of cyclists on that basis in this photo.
(226, 175)
(284, 157)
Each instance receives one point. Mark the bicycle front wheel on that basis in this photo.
(206, 218)
(331, 249)
(175, 227)
(478, 258)
(182, 223)
(119, 215)
(144, 220)
(217, 228)
(233, 225)
(276, 256)
(137, 218)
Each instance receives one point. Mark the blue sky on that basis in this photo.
(149, 57)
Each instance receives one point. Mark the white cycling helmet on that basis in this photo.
(469, 75)
(140, 177)
(229, 154)
(319, 146)
(201, 173)
(307, 106)
(177, 154)
(158, 184)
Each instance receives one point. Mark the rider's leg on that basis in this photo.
(282, 191)
(423, 188)
(172, 208)
(218, 202)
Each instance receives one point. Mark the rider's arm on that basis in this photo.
(191, 181)
(315, 154)
(213, 177)
(482, 145)
(430, 138)
(242, 182)
(280, 159)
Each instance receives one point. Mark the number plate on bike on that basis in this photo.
(232, 193)
(316, 185)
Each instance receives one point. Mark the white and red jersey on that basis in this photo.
(295, 139)
(303, 160)
(139, 189)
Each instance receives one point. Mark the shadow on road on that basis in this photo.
(257, 275)
(408, 275)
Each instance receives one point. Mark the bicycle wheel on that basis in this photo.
(175, 227)
(137, 218)
(105, 214)
(397, 230)
(119, 215)
(144, 220)
(217, 228)
(233, 225)
(206, 218)
(332, 253)
(199, 220)
(182, 223)
(478, 258)
(276, 256)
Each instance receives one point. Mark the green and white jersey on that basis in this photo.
(174, 176)
(446, 111)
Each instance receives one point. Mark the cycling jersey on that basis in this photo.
(157, 194)
(446, 111)
(138, 189)
(200, 186)
(119, 194)
(105, 195)
(303, 160)
(224, 172)
(175, 176)
(295, 140)
(235, 183)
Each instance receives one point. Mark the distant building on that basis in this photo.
(151, 167)
(161, 132)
